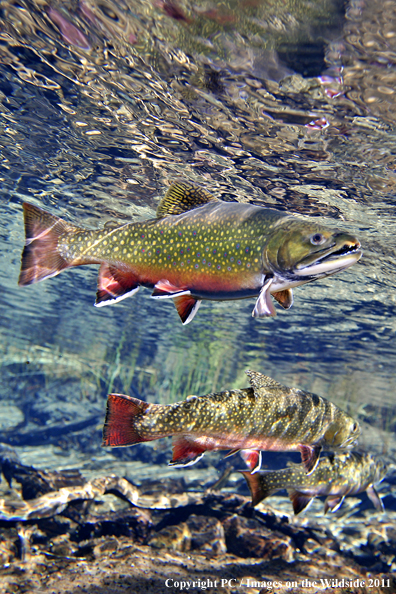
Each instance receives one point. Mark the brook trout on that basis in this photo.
(197, 248)
(335, 476)
(266, 416)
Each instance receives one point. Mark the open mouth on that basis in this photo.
(345, 249)
(330, 262)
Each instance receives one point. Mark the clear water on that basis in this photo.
(290, 105)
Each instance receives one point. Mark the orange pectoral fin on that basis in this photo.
(375, 498)
(310, 456)
(114, 284)
(264, 306)
(252, 459)
(185, 452)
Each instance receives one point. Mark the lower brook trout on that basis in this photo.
(266, 416)
(335, 477)
(197, 247)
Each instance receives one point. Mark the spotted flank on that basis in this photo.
(335, 477)
(266, 416)
(197, 248)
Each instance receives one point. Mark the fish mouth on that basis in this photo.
(332, 260)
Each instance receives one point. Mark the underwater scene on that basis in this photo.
(220, 178)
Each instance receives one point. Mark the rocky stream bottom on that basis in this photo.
(60, 532)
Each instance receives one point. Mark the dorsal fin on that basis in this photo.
(258, 380)
(182, 197)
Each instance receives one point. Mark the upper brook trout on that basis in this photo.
(197, 248)
(335, 476)
(267, 416)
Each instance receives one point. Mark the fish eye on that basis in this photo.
(355, 427)
(317, 239)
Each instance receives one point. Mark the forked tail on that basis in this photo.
(119, 426)
(41, 258)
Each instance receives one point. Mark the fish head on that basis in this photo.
(342, 432)
(300, 251)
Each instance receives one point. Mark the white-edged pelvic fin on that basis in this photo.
(117, 299)
(190, 463)
(264, 306)
(165, 290)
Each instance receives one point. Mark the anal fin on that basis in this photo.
(115, 284)
(310, 456)
(187, 306)
(284, 298)
(300, 501)
(185, 452)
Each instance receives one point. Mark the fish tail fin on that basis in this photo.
(258, 488)
(119, 426)
(41, 258)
